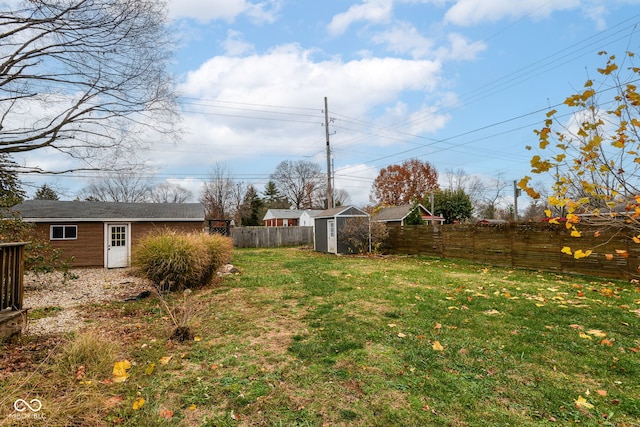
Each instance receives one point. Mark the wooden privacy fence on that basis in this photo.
(269, 237)
(11, 275)
(534, 246)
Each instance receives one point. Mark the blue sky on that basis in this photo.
(458, 83)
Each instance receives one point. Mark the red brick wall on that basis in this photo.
(88, 249)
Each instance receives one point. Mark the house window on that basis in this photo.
(64, 232)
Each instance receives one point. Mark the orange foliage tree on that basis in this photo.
(403, 184)
(594, 155)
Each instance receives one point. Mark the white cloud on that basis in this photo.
(370, 11)
(471, 12)
(404, 38)
(231, 119)
(235, 45)
(288, 75)
(460, 49)
(227, 10)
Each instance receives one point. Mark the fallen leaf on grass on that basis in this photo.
(597, 333)
(437, 346)
(166, 359)
(585, 336)
(138, 403)
(401, 335)
(192, 407)
(602, 392)
(149, 369)
(113, 401)
(120, 371)
(581, 402)
(167, 414)
(80, 372)
(491, 312)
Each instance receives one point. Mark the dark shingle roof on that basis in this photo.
(53, 210)
(393, 213)
(341, 211)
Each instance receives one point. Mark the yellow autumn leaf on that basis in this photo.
(581, 254)
(166, 359)
(597, 333)
(581, 402)
(149, 369)
(575, 233)
(197, 338)
(138, 403)
(636, 239)
(567, 250)
(585, 336)
(437, 346)
(547, 212)
(623, 253)
(192, 407)
(120, 371)
(554, 221)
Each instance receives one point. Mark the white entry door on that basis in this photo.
(117, 240)
(332, 240)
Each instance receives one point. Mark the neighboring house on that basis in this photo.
(102, 234)
(328, 225)
(306, 217)
(396, 215)
(281, 218)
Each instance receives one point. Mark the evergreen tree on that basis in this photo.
(273, 198)
(453, 205)
(11, 192)
(46, 193)
(415, 216)
(252, 210)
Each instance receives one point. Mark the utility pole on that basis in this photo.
(516, 193)
(326, 129)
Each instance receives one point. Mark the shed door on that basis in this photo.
(331, 236)
(117, 245)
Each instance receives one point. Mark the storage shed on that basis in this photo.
(328, 225)
(102, 234)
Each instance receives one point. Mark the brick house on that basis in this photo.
(281, 218)
(102, 234)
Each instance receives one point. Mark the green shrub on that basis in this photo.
(40, 256)
(175, 261)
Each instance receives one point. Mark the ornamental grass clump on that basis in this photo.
(174, 261)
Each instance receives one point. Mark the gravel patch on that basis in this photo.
(71, 294)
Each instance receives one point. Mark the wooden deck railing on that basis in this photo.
(11, 275)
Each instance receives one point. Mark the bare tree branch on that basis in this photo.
(83, 77)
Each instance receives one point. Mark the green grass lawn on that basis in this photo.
(308, 339)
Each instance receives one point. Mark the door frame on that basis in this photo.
(332, 241)
(107, 243)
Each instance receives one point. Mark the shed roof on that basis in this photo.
(341, 211)
(283, 214)
(56, 210)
